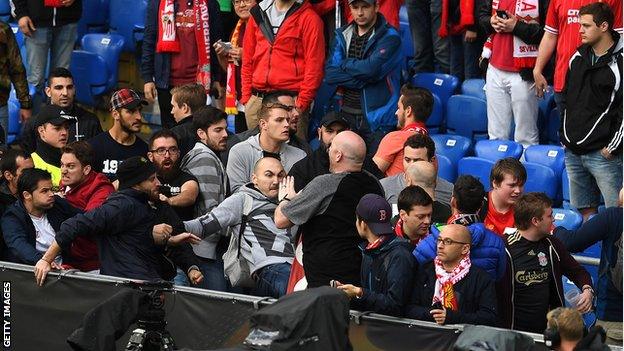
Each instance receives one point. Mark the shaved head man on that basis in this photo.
(424, 175)
(267, 175)
(325, 209)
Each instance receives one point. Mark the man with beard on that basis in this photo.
(204, 164)
(130, 244)
(52, 125)
(179, 189)
(317, 163)
(61, 92)
(121, 141)
(31, 223)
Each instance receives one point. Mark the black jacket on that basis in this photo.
(593, 94)
(187, 135)
(317, 164)
(43, 16)
(475, 294)
(20, 234)
(123, 225)
(6, 199)
(86, 127)
(387, 273)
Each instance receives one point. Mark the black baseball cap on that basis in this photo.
(376, 212)
(333, 117)
(53, 114)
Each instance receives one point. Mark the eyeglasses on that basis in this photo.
(449, 241)
(241, 2)
(278, 105)
(161, 151)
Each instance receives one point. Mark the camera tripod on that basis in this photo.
(151, 333)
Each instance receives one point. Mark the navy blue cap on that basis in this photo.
(376, 212)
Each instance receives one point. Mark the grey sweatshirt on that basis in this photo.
(263, 244)
(244, 156)
(206, 166)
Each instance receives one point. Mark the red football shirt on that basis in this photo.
(497, 221)
(562, 20)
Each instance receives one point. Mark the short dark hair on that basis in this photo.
(59, 72)
(82, 150)
(193, 95)
(163, 133)
(411, 196)
(206, 116)
(420, 140)
(419, 99)
(529, 206)
(508, 165)
(9, 160)
(469, 194)
(29, 180)
(600, 11)
(273, 97)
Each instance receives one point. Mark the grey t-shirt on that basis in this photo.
(276, 17)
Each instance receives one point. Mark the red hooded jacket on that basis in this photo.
(88, 195)
(291, 60)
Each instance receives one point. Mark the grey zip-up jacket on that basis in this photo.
(244, 156)
(206, 166)
(263, 243)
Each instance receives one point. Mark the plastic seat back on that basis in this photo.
(474, 87)
(467, 116)
(477, 167)
(496, 149)
(454, 147)
(541, 178)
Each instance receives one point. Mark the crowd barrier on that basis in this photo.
(37, 318)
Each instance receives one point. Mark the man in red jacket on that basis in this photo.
(85, 189)
(283, 49)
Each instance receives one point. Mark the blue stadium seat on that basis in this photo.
(94, 18)
(477, 167)
(5, 10)
(96, 65)
(446, 168)
(19, 37)
(435, 122)
(548, 155)
(545, 106)
(473, 87)
(443, 85)
(467, 116)
(541, 178)
(454, 147)
(569, 219)
(127, 18)
(496, 149)
(15, 123)
(565, 189)
(552, 127)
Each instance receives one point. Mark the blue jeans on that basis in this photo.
(430, 51)
(181, 279)
(4, 122)
(465, 57)
(59, 42)
(592, 175)
(214, 277)
(273, 280)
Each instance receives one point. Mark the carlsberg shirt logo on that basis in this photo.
(531, 277)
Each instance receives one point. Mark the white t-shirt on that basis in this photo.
(45, 234)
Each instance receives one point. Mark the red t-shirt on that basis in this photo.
(391, 146)
(502, 43)
(562, 20)
(184, 63)
(496, 221)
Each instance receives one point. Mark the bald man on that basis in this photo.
(450, 290)
(325, 210)
(267, 249)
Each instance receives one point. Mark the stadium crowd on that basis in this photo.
(263, 212)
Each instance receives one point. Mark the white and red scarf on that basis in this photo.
(524, 55)
(443, 291)
(168, 41)
(230, 88)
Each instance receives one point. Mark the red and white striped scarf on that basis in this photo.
(443, 291)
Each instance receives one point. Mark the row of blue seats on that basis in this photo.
(123, 17)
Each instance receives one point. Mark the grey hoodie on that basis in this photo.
(263, 244)
(206, 166)
(244, 156)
